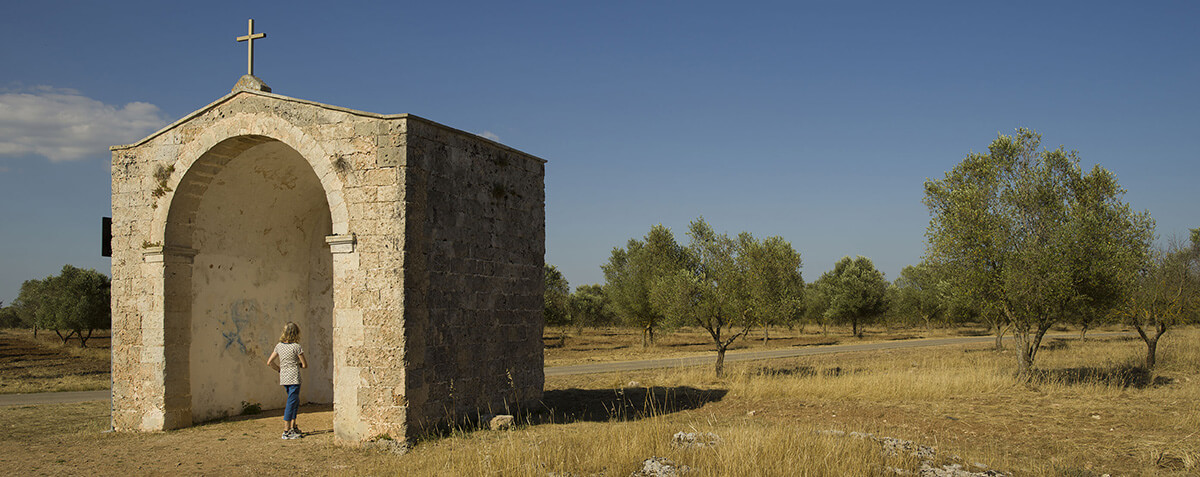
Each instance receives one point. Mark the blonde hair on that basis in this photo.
(291, 333)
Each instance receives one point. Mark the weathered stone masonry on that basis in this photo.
(410, 253)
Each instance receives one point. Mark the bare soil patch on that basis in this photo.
(68, 439)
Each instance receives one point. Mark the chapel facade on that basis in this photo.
(409, 253)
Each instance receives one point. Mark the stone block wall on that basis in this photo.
(473, 268)
(436, 241)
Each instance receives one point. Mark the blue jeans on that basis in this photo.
(293, 401)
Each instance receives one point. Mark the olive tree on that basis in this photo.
(9, 318)
(709, 291)
(856, 291)
(727, 286)
(816, 303)
(1030, 238)
(922, 292)
(76, 300)
(631, 272)
(28, 305)
(590, 306)
(1165, 294)
(554, 298)
(773, 281)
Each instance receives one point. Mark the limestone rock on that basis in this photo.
(251, 83)
(956, 470)
(691, 440)
(892, 446)
(660, 467)
(500, 422)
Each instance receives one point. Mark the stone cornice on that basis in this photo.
(279, 97)
(168, 253)
(341, 243)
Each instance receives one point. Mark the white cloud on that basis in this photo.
(491, 135)
(64, 125)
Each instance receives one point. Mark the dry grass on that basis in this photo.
(46, 365)
(1090, 412)
(618, 448)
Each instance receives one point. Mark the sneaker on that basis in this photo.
(286, 435)
(298, 432)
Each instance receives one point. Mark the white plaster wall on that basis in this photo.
(261, 262)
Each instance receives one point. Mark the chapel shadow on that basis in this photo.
(1124, 376)
(626, 404)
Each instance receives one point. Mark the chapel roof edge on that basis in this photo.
(228, 97)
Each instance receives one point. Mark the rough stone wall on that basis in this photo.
(422, 222)
(473, 263)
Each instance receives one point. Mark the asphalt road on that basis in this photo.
(708, 359)
(735, 356)
(49, 398)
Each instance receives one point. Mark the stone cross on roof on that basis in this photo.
(249, 39)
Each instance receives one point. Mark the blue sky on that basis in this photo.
(815, 121)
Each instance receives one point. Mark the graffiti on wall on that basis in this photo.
(241, 314)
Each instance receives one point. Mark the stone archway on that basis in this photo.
(434, 260)
(254, 226)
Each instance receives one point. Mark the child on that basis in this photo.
(290, 359)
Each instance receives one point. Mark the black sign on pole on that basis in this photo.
(106, 237)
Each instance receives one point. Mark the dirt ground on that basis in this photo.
(62, 439)
(45, 365)
(71, 438)
(1083, 430)
(1022, 429)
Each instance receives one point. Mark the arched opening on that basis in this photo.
(255, 215)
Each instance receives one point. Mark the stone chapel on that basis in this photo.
(410, 253)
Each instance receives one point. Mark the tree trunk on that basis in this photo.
(1083, 332)
(1027, 348)
(766, 334)
(1024, 353)
(1000, 337)
(1151, 344)
(854, 327)
(83, 340)
(647, 336)
(1151, 351)
(60, 336)
(720, 361)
